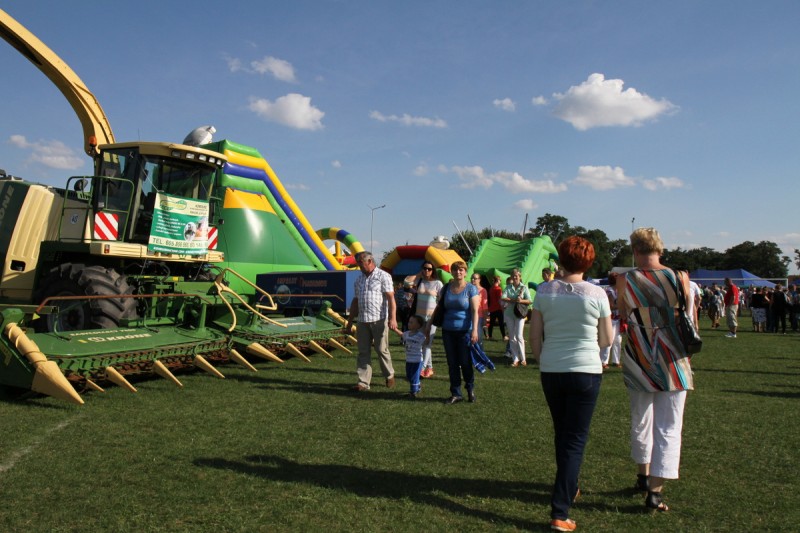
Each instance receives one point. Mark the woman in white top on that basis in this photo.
(571, 321)
(514, 293)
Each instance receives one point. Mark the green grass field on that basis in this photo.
(291, 448)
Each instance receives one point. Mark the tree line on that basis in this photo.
(764, 259)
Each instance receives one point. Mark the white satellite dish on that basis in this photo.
(201, 135)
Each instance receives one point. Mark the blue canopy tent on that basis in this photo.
(739, 276)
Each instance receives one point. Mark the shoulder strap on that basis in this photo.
(679, 292)
(677, 284)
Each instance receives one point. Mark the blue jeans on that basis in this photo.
(571, 397)
(412, 374)
(459, 360)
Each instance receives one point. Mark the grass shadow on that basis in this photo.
(767, 394)
(424, 490)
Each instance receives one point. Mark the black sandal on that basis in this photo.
(655, 502)
(641, 483)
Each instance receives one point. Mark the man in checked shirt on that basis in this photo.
(374, 309)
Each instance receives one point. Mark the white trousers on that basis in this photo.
(516, 338)
(656, 424)
(615, 348)
(427, 355)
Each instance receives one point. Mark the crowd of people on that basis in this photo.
(576, 332)
(771, 308)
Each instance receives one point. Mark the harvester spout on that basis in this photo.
(48, 378)
(201, 363)
(237, 358)
(319, 349)
(162, 370)
(96, 128)
(259, 351)
(117, 379)
(339, 346)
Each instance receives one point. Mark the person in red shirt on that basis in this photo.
(731, 307)
(496, 308)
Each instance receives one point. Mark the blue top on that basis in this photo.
(457, 316)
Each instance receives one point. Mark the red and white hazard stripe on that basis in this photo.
(106, 226)
(212, 238)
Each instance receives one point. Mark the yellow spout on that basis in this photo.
(339, 346)
(319, 349)
(294, 350)
(162, 370)
(237, 358)
(259, 351)
(116, 378)
(201, 363)
(48, 378)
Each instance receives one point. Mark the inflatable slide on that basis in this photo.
(250, 194)
(498, 257)
(407, 260)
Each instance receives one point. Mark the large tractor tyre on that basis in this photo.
(79, 280)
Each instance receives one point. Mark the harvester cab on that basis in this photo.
(130, 176)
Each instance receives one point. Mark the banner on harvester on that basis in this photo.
(180, 226)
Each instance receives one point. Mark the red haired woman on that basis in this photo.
(571, 321)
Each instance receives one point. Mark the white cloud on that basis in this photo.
(539, 100)
(421, 170)
(662, 183)
(506, 104)
(476, 176)
(407, 120)
(472, 177)
(279, 68)
(234, 63)
(601, 102)
(336, 163)
(298, 187)
(603, 178)
(525, 204)
(293, 110)
(516, 183)
(53, 154)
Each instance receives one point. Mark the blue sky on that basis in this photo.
(682, 115)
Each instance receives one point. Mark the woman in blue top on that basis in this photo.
(571, 321)
(461, 301)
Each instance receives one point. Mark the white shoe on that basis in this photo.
(731, 335)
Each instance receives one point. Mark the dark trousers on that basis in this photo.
(459, 360)
(571, 397)
(497, 316)
(780, 319)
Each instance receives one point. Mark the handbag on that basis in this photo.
(521, 310)
(687, 332)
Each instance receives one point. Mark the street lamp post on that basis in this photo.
(372, 224)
